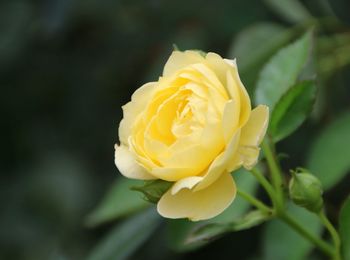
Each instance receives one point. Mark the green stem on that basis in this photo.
(276, 176)
(266, 185)
(276, 195)
(257, 203)
(333, 232)
(323, 246)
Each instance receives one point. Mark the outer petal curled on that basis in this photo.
(131, 110)
(227, 72)
(199, 205)
(252, 135)
(254, 130)
(179, 60)
(220, 164)
(128, 166)
(186, 183)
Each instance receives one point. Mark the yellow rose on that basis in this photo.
(191, 127)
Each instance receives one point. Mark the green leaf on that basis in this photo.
(211, 231)
(251, 54)
(153, 190)
(179, 230)
(119, 201)
(282, 242)
(329, 154)
(292, 109)
(127, 237)
(247, 47)
(344, 228)
(282, 71)
(291, 10)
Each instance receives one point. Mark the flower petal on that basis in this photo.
(245, 106)
(254, 130)
(233, 83)
(186, 183)
(194, 156)
(199, 205)
(249, 155)
(251, 136)
(180, 59)
(172, 174)
(132, 109)
(127, 165)
(210, 78)
(220, 164)
(218, 65)
(229, 120)
(235, 163)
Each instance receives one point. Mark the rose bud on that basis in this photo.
(306, 191)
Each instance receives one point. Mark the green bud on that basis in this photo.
(153, 190)
(305, 190)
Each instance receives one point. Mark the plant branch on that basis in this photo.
(276, 176)
(265, 184)
(255, 202)
(333, 232)
(319, 243)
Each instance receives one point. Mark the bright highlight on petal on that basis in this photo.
(199, 205)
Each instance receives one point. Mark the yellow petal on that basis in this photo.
(127, 165)
(194, 156)
(251, 136)
(172, 174)
(197, 89)
(132, 110)
(159, 98)
(235, 163)
(229, 120)
(221, 66)
(254, 130)
(179, 60)
(233, 91)
(155, 148)
(199, 205)
(195, 153)
(218, 65)
(245, 106)
(249, 155)
(210, 78)
(220, 164)
(187, 183)
(233, 83)
(136, 144)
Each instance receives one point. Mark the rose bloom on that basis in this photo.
(193, 127)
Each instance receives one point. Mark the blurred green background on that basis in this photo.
(66, 68)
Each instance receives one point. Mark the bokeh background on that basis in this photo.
(66, 68)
